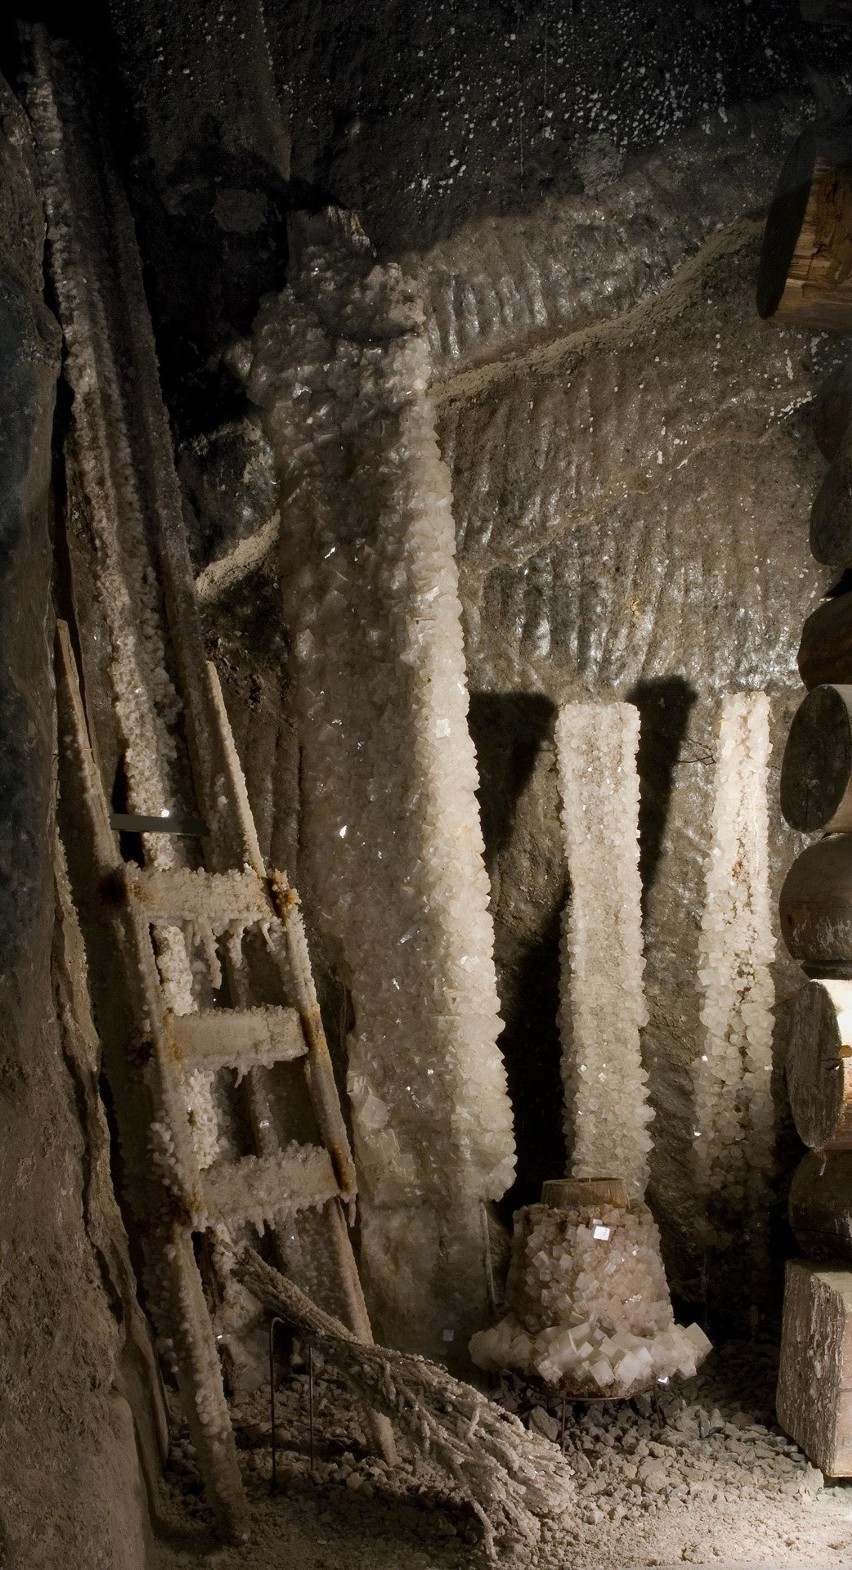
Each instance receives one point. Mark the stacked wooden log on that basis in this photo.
(806, 279)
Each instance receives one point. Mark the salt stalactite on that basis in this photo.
(391, 839)
(590, 1307)
(603, 1009)
(734, 1128)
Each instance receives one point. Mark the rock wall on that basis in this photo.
(578, 194)
(70, 1487)
(631, 511)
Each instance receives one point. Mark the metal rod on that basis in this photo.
(311, 1396)
(275, 1320)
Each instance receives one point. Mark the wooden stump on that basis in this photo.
(825, 652)
(819, 1064)
(816, 775)
(821, 1205)
(816, 907)
(584, 1193)
(814, 1400)
(805, 274)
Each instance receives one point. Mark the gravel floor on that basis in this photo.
(700, 1475)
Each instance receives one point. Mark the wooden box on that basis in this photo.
(815, 1376)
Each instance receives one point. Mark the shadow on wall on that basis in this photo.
(664, 704)
(509, 731)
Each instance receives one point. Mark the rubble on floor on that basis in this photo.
(700, 1475)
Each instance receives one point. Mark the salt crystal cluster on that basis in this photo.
(590, 1307)
(392, 843)
(733, 1130)
(602, 1012)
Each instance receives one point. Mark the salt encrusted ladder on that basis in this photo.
(119, 415)
(180, 1199)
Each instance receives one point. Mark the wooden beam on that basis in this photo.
(821, 1205)
(805, 273)
(819, 1064)
(825, 652)
(814, 1400)
(816, 774)
(816, 907)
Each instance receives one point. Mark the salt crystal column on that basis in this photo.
(603, 1002)
(733, 1104)
(391, 843)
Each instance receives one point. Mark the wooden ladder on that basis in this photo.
(121, 440)
(172, 1199)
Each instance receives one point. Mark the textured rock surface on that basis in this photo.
(69, 1490)
(631, 517)
(580, 195)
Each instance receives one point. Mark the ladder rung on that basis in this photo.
(259, 1188)
(215, 897)
(236, 1038)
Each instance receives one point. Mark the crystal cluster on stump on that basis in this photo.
(590, 1312)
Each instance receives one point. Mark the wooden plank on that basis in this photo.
(814, 1400)
(258, 1189)
(219, 898)
(816, 907)
(820, 1207)
(825, 652)
(816, 774)
(241, 1039)
(819, 1064)
(805, 273)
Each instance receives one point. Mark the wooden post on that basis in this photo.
(816, 775)
(584, 1193)
(821, 1205)
(816, 907)
(819, 1064)
(825, 652)
(814, 1401)
(805, 274)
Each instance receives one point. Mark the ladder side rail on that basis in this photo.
(175, 1291)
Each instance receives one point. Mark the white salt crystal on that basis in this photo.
(733, 1102)
(603, 1003)
(341, 369)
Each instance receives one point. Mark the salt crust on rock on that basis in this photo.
(602, 1013)
(733, 1131)
(392, 843)
(590, 1306)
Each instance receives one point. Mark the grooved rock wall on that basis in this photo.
(631, 513)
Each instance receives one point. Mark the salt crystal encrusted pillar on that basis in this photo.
(607, 1111)
(392, 849)
(734, 1128)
